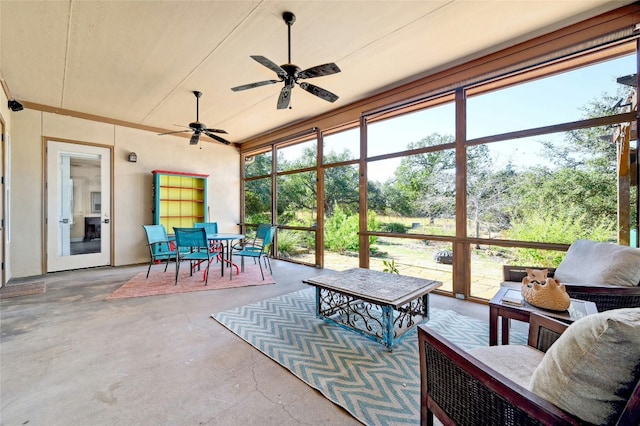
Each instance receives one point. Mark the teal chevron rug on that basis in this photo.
(375, 386)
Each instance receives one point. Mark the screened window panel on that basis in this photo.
(257, 164)
(297, 199)
(257, 198)
(406, 131)
(342, 146)
(298, 156)
(559, 98)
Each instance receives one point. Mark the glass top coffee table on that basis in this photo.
(380, 306)
(499, 308)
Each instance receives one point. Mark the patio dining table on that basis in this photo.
(228, 238)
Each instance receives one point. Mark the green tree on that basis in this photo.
(487, 190)
(581, 176)
(257, 198)
(592, 148)
(258, 165)
(341, 230)
(298, 191)
(424, 184)
(559, 226)
(341, 187)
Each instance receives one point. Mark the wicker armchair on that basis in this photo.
(461, 390)
(605, 297)
(605, 274)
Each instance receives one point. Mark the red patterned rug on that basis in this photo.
(160, 282)
(17, 290)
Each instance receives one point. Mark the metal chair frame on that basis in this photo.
(192, 245)
(160, 246)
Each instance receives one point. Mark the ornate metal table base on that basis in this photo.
(380, 306)
(376, 321)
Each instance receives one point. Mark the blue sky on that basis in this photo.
(543, 102)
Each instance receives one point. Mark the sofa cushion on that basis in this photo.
(591, 369)
(592, 263)
(516, 362)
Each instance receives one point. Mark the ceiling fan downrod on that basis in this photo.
(289, 19)
(198, 94)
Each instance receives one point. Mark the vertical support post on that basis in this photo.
(319, 200)
(363, 203)
(461, 250)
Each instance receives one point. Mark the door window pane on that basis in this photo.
(85, 204)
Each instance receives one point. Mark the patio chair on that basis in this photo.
(259, 248)
(215, 246)
(160, 246)
(192, 245)
(585, 373)
(603, 273)
(211, 228)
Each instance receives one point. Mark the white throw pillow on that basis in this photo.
(597, 264)
(591, 369)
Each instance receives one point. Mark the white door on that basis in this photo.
(3, 218)
(78, 206)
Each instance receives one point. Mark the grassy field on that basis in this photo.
(415, 258)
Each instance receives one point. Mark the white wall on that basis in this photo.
(134, 183)
(26, 225)
(132, 189)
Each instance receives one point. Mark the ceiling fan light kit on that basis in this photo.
(290, 74)
(199, 128)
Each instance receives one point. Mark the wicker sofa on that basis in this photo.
(496, 386)
(606, 274)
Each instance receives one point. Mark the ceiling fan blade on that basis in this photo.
(319, 92)
(214, 130)
(174, 132)
(319, 71)
(269, 64)
(194, 138)
(285, 97)
(216, 137)
(252, 85)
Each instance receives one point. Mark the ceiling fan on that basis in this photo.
(199, 128)
(290, 74)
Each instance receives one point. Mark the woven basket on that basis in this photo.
(550, 295)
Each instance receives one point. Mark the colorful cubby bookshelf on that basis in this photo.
(180, 199)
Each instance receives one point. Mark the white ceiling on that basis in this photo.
(139, 61)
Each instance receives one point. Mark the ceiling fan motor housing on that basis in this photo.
(290, 73)
(196, 125)
(199, 128)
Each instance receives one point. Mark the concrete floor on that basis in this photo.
(68, 357)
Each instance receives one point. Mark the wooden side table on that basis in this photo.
(577, 310)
